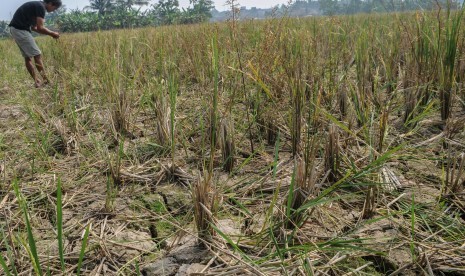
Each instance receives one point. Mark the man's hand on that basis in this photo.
(41, 29)
(55, 35)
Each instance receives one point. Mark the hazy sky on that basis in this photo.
(8, 7)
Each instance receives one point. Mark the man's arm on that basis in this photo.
(41, 29)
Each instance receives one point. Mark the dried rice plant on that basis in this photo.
(296, 124)
(369, 204)
(272, 130)
(204, 201)
(410, 103)
(332, 154)
(120, 115)
(303, 186)
(161, 108)
(300, 190)
(115, 178)
(454, 172)
(424, 95)
(67, 141)
(227, 144)
(343, 102)
(383, 125)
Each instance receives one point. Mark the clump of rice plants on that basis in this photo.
(332, 154)
(204, 202)
(227, 145)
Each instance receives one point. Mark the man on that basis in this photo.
(30, 16)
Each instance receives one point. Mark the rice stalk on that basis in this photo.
(32, 249)
(426, 57)
(118, 96)
(383, 128)
(332, 154)
(361, 107)
(43, 138)
(65, 142)
(12, 257)
(59, 214)
(83, 249)
(369, 205)
(299, 191)
(137, 269)
(114, 163)
(452, 31)
(296, 129)
(204, 201)
(11, 261)
(162, 110)
(214, 125)
(454, 172)
(5, 268)
(343, 102)
(173, 92)
(110, 196)
(412, 229)
(276, 155)
(410, 104)
(115, 179)
(360, 96)
(227, 144)
(238, 52)
(424, 97)
(272, 131)
(120, 115)
(290, 200)
(303, 185)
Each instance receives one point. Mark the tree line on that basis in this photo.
(117, 14)
(336, 7)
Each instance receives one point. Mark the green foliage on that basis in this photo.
(101, 6)
(60, 225)
(4, 31)
(87, 21)
(333, 7)
(4, 266)
(200, 12)
(117, 14)
(83, 249)
(32, 249)
(166, 11)
(452, 29)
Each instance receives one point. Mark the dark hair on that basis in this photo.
(56, 3)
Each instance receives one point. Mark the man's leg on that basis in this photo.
(32, 72)
(40, 68)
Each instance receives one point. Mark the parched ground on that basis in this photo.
(145, 223)
(149, 222)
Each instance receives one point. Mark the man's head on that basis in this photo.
(52, 5)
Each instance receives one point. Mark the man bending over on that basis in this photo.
(31, 16)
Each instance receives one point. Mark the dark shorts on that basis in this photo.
(25, 42)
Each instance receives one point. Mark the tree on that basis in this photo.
(4, 28)
(329, 7)
(51, 18)
(167, 11)
(128, 4)
(101, 6)
(200, 11)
